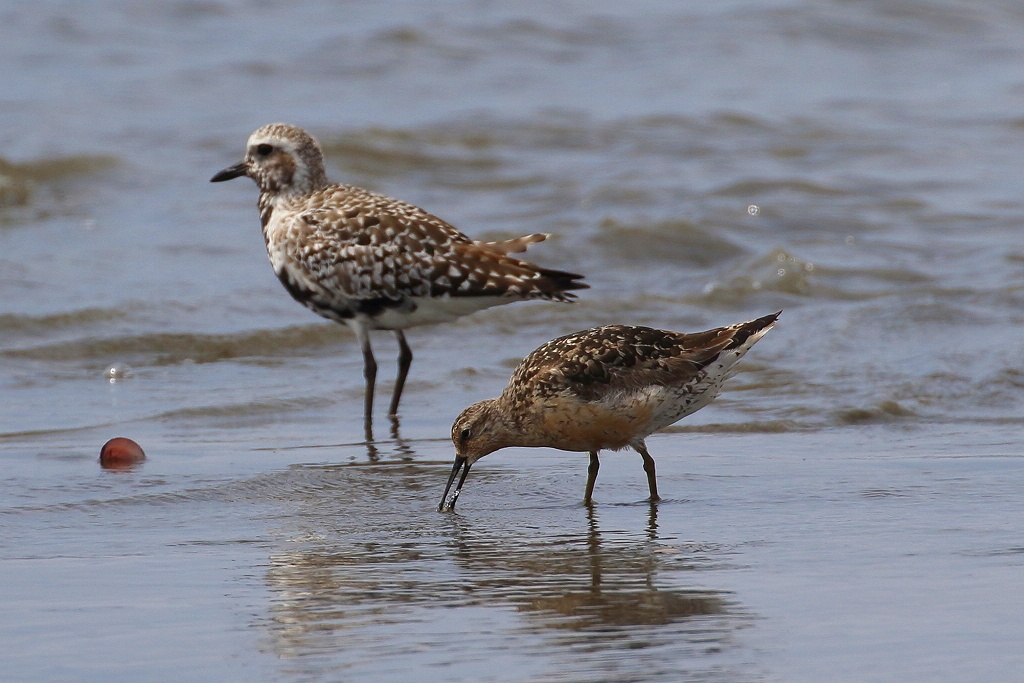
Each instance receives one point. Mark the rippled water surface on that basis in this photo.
(849, 509)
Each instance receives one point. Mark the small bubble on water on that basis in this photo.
(782, 272)
(753, 209)
(118, 372)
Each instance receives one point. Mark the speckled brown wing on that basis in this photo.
(372, 247)
(595, 363)
(350, 212)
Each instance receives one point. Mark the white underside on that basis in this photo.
(669, 404)
(430, 311)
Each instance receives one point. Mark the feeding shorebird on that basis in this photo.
(376, 263)
(606, 387)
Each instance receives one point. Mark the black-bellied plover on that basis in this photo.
(606, 387)
(373, 262)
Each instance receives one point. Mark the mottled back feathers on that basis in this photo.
(594, 363)
(369, 246)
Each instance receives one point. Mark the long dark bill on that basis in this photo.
(460, 463)
(236, 171)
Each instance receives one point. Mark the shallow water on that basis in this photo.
(850, 504)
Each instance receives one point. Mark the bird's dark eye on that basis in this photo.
(264, 149)
(464, 435)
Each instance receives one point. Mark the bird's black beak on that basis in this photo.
(460, 463)
(236, 171)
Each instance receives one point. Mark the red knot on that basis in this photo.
(606, 387)
(376, 263)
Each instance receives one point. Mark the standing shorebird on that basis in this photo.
(606, 387)
(376, 263)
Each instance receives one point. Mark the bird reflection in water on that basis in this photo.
(622, 590)
(401, 447)
(571, 584)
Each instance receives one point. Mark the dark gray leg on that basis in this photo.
(595, 465)
(370, 373)
(404, 362)
(652, 479)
